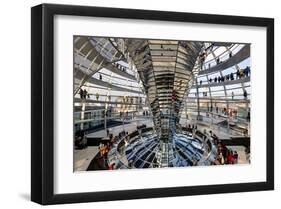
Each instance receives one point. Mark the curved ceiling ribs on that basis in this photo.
(92, 54)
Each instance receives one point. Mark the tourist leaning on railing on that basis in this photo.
(242, 73)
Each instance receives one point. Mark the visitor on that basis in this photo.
(248, 116)
(227, 77)
(221, 158)
(224, 110)
(100, 77)
(241, 73)
(235, 156)
(231, 76)
(81, 93)
(85, 93)
(224, 150)
(232, 95)
(230, 158)
(218, 60)
(202, 57)
(247, 71)
(80, 141)
(101, 148)
(215, 138)
(245, 94)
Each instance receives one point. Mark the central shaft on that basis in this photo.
(165, 69)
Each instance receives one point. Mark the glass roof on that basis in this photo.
(106, 66)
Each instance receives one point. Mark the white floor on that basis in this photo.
(132, 126)
(222, 133)
(83, 158)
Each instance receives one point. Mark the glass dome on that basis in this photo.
(156, 103)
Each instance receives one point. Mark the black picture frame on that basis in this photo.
(42, 103)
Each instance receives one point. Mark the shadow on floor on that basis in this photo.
(25, 196)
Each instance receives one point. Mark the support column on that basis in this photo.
(105, 120)
(82, 114)
(198, 100)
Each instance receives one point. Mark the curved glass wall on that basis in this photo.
(156, 103)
